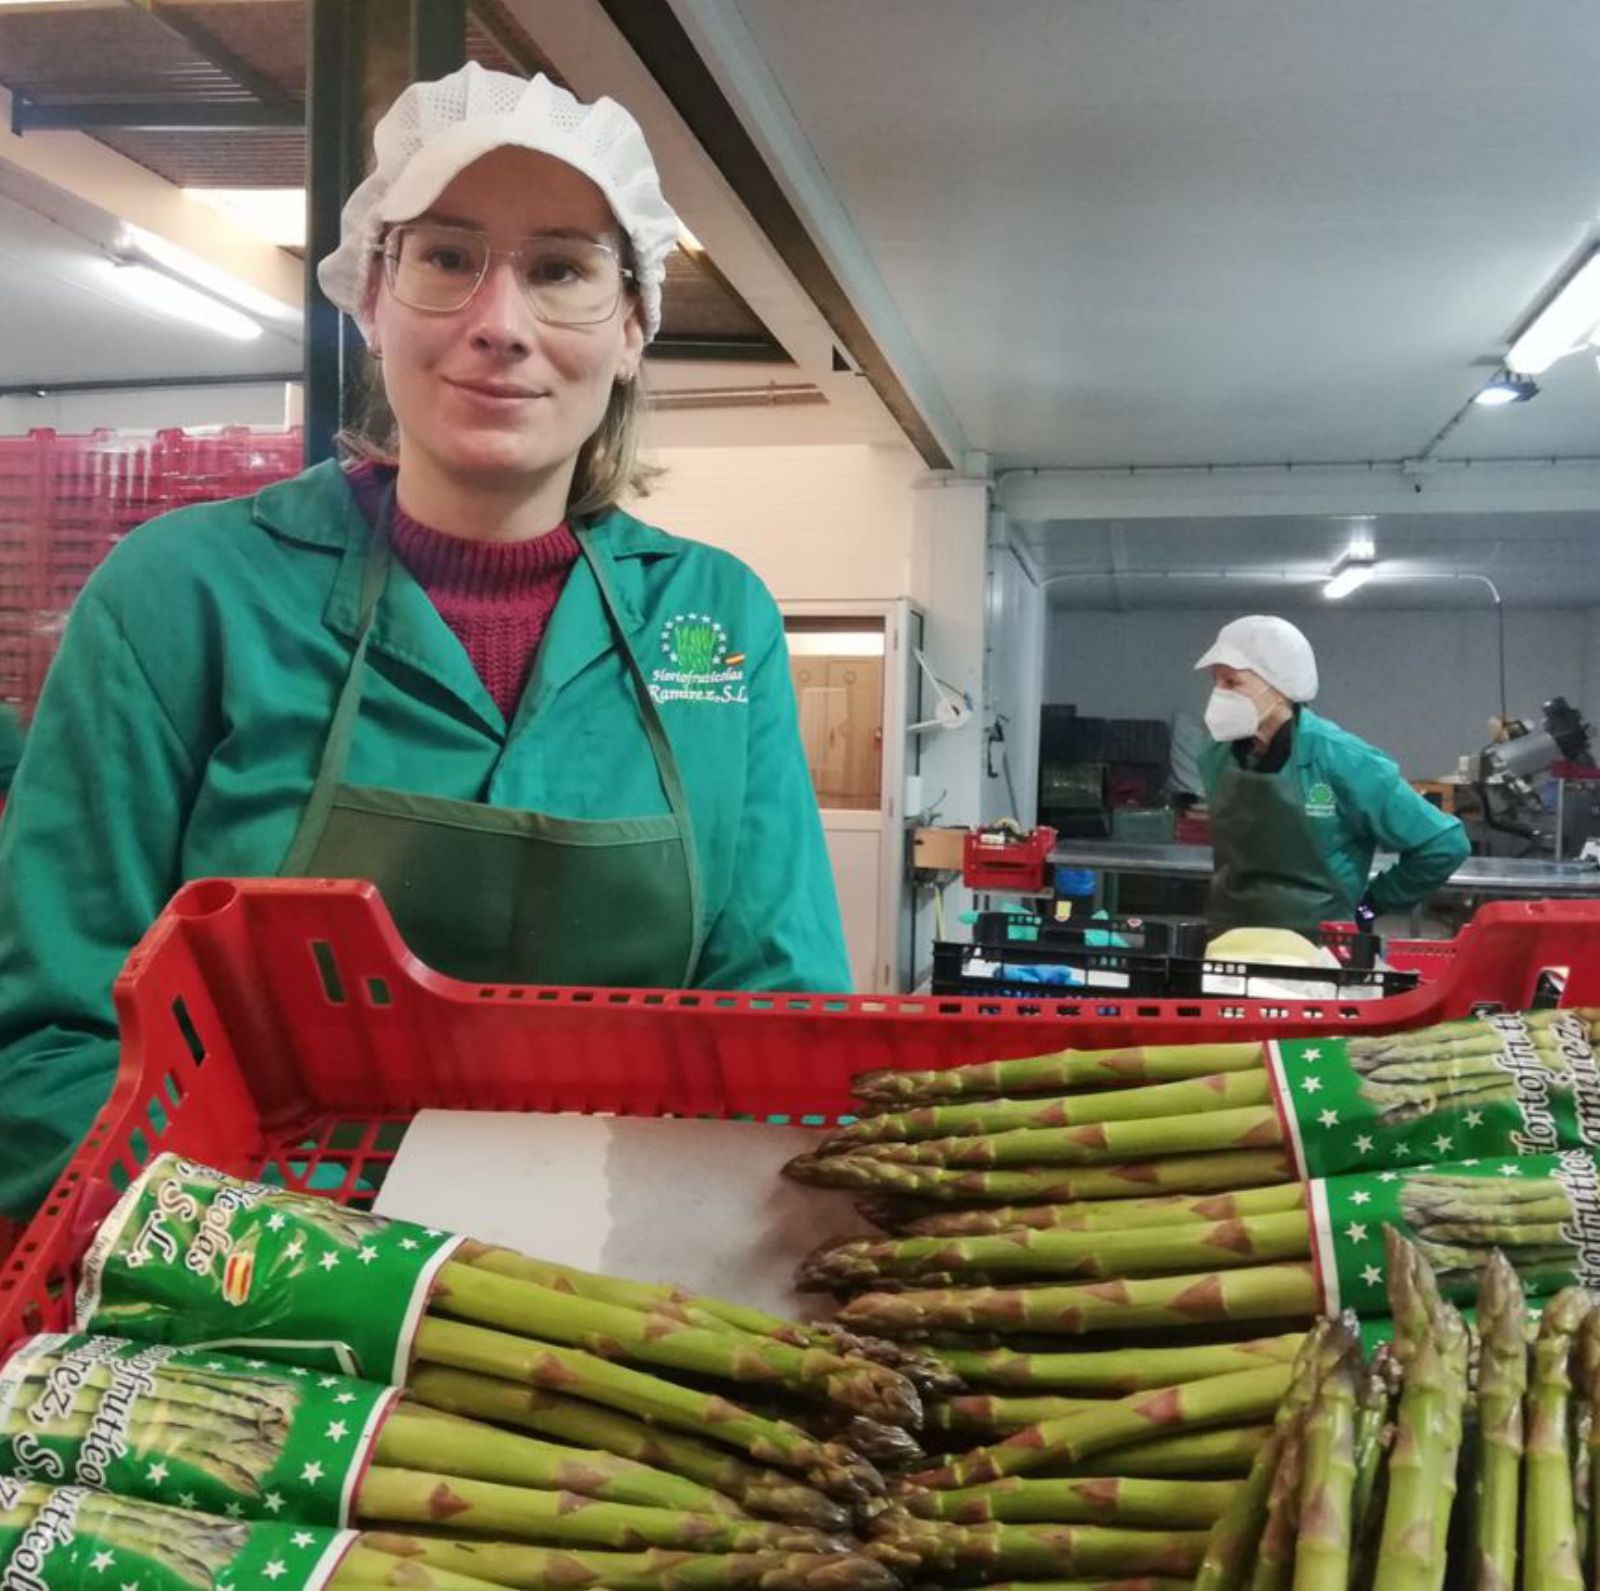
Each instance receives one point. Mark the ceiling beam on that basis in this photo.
(669, 54)
(58, 389)
(212, 50)
(58, 115)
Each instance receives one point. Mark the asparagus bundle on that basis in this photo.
(192, 1255)
(1458, 1221)
(1106, 1125)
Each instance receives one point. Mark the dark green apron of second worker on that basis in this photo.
(1268, 870)
(496, 895)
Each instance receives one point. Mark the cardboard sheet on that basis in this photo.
(700, 1203)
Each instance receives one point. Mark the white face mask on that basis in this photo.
(1231, 715)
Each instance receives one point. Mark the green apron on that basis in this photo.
(1268, 870)
(500, 896)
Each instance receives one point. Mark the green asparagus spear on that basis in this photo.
(1265, 1292)
(553, 1569)
(1323, 1541)
(1142, 1251)
(1549, 1531)
(544, 1315)
(1502, 1383)
(768, 1493)
(1193, 1405)
(1112, 1215)
(1115, 1371)
(1220, 1091)
(1062, 1072)
(1109, 1500)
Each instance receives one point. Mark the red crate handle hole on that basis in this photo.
(204, 898)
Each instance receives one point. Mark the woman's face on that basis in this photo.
(490, 389)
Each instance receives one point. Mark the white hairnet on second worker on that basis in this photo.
(1268, 646)
(436, 129)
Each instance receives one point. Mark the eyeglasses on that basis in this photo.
(567, 281)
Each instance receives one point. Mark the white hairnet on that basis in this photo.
(436, 129)
(1270, 647)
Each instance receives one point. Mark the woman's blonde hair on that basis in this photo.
(609, 465)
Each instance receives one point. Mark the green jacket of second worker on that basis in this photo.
(179, 729)
(1359, 804)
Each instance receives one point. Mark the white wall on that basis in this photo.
(1015, 627)
(147, 409)
(814, 522)
(1420, 684)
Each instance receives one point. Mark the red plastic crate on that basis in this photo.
(281, 1023)
(1013, 863)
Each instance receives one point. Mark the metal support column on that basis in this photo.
(361, 54)
(332, 168)
(438, 37)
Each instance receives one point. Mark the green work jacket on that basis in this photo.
(180, 726)
(1358, 805)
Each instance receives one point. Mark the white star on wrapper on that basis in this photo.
(215, 1364)
(1329, 1118)
(156, 1473)
(1356, 1232)
(1363, 1145)
(1443, 1142)
(1509, 1171)
(345, 1397)
(301, 1371)
(1474, 1118)
(302, 1538)
(1361, 1196)
(273, 1502)
(129, 1585)
(1472, 1162)
(328, 1381)
(1311, 1055)
(1388, 1176)
(256, 1364)
(234, 1511)
(312, 1472)
(338, 1431)
(276, 1570)
(293, 1251)
(368, 1254)
(277, 1221)
(408, 1242)
(329, 1260)
(1372, 1276)
(1311, 1085)
(432, 1231)
(101, 1561)
(188, 1500)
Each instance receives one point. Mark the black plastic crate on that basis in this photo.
(1144, 972)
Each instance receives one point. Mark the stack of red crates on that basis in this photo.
(65, 501)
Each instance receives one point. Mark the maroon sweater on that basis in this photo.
(496, 596)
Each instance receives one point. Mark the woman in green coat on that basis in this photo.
(562, 742)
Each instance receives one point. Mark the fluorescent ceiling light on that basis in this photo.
(1349, 577)
(156, 290)
(1506, 388)
(1565, 323)
(276, 214)
(147, 248)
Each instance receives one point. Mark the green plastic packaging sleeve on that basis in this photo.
(188, 1427)
(195, 1257)
(1497, 1086)
(73, 1539)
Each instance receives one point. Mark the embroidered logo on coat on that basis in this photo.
(695, 663)
(1320, 802)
